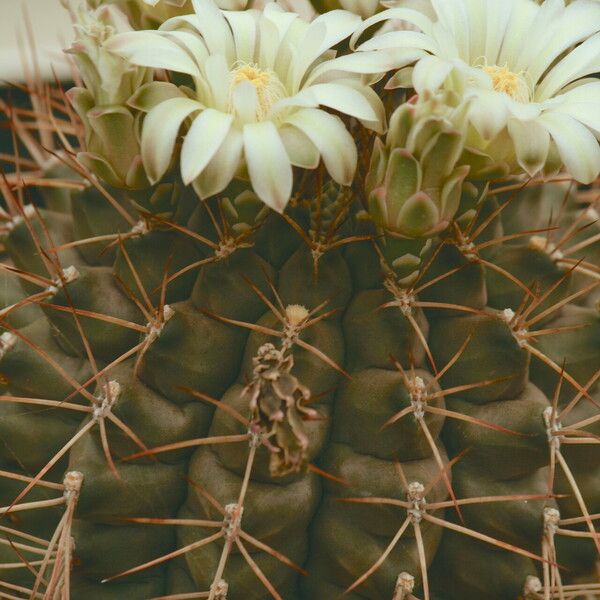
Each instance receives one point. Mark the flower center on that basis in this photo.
(269, 88)
(507, 82)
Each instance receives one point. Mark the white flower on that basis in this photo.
(525, 66)
(259, 81)
(303, 7)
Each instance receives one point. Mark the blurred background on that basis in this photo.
(52, 31)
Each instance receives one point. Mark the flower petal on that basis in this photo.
(213, 27)
(268, 164)
(430, 73)
(575, 23)
(243, 26)
(532, 143)
(223, 166)
(488, 112)
(582, 103)
(577, 146)
(301, 151)
(400, 39)
(151, 94)
(339, 24)
(152, 49)
(159, 133)
(329, 135)
(370, 62)
(245, 101)
(344, 99)
(203, 140)
(414, 17)
(378, 125)
(218, 78)
(583, 60)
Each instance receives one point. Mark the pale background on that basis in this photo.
(52, 29)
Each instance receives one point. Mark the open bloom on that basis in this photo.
(259, 80)
(524, 65)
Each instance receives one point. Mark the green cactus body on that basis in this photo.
(388, 391)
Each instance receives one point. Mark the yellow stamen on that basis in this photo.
(269, 88)
(507, 82)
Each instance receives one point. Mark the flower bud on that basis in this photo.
(415, 180)
(111, 137)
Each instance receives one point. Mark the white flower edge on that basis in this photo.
(530, 41)
(212, 46)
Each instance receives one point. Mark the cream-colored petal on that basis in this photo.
(218, 78)
(268, 164)
(152, 49)
(328, 133)
(430, 73)
(245, 102)
(532, 142)
(301, 151)
(583, 60)
(215, 30)
(576, 23)
(339, 25)
(223, 166)
(577, 146)
(344, 99)
(244, 28)
(414, 17)
(159, 132)
(583, 104)
(488, 112)
(208, 131)
(370, 62)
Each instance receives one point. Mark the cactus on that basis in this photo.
(382, 386)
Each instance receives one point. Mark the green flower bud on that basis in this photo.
(415, 179)
(111, 128)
